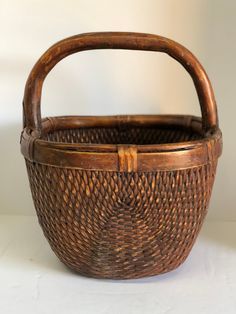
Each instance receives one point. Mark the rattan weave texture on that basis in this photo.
(121, 225)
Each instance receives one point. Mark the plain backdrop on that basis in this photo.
(115, 82)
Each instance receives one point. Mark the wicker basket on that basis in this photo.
(121, 196)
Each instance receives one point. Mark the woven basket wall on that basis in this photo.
(121, 225)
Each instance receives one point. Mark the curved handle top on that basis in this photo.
(117, 40)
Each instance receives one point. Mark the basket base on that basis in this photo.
(140, 275)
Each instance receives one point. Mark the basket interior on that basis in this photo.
(130, 135)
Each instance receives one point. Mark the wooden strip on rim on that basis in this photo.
(127, 158)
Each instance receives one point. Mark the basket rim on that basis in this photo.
(122, 157)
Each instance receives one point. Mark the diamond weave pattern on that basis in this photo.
(121, 225)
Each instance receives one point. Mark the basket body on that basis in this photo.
(121, 225)
(121, 196)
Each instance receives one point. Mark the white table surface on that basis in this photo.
(32, 280)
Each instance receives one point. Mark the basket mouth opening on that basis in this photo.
(128, 136)
(128, 130)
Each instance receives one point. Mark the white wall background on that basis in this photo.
(115, 82)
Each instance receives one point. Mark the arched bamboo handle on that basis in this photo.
(117, 40)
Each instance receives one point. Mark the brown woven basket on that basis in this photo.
(121, 196)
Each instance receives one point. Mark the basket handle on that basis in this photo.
(116, 40)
